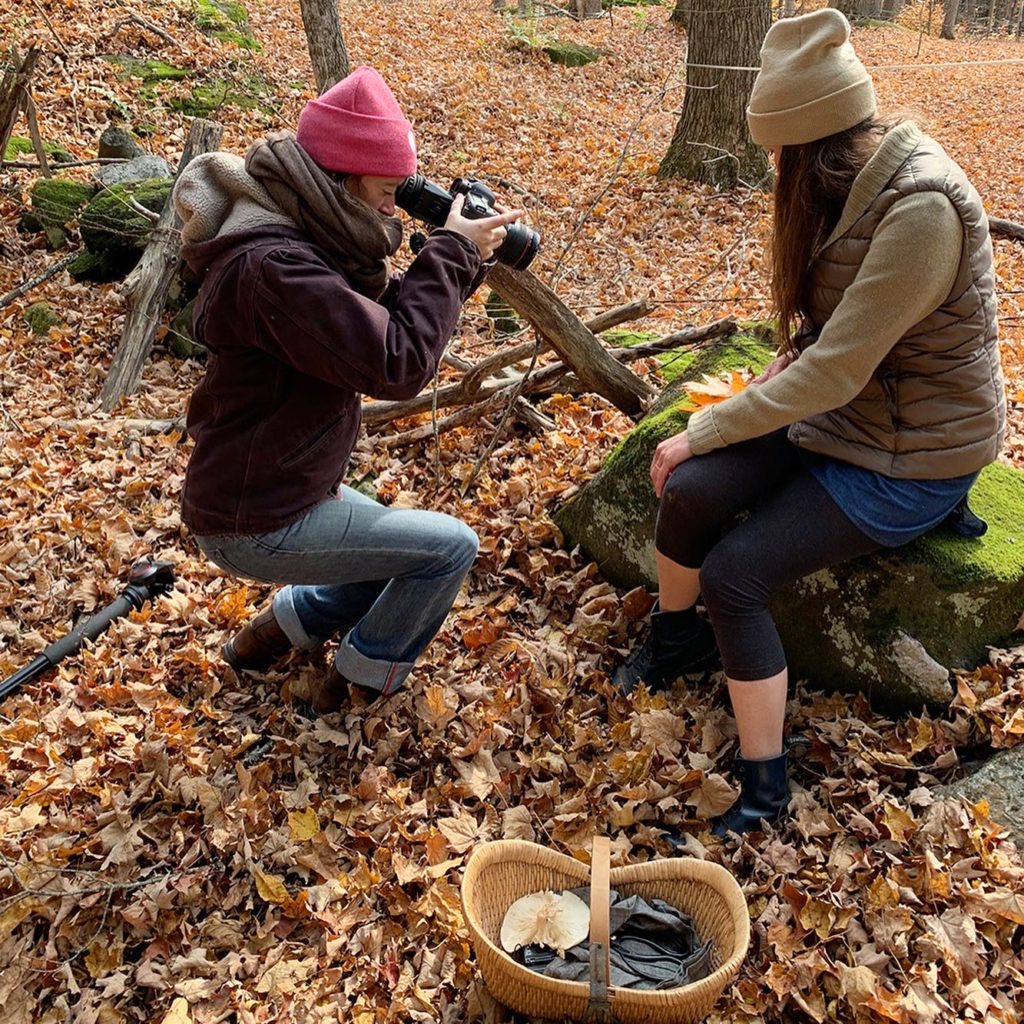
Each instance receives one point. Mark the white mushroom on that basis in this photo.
(556, 920)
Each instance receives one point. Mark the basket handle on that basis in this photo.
(599, 1010)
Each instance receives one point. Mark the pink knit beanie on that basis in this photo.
(357, 127)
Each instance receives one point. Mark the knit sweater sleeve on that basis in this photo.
(907, 273)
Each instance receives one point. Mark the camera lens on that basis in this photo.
(519, 248)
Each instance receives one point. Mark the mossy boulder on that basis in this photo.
(502, 316)
(180, 339)
(613, 517)
(1000, 782)
(18, 146)
(149, 72)
(53, 204)
(117, 144)
(569, 53)
(890, 625)
(114, 230)
(41, 316)
(227, 21)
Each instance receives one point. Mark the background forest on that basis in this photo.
(177, 843)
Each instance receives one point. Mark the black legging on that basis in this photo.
(794, 529)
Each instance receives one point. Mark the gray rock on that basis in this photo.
(1000, 781)
(138, 169)
(117, 143)
(890, 625)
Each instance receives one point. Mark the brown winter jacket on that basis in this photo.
(292, 350)
(915, 396)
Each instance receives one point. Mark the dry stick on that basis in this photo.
(13, 90)
(473, 383)
(546, 378)
(1006, 228)
(577, 345)
(144, 426)
(26, 165)
(33, 131)
(49, 25)
(146, 287)
(658, 97)
(142, 22)
(7, 299)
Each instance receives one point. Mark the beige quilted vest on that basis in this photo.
(935, 408)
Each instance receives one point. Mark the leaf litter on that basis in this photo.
(178, 844)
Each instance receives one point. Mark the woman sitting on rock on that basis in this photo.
(302, 318)
(873, 422)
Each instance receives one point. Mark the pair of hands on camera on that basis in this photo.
(487, 233)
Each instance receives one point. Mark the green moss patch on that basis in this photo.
(252, 93)
(41, 316)
(148, 71)
(55, 202)
(17, 146)
(114, 231)
(571, 54)
(226, 21)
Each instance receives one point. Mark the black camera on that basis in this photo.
(421, 198)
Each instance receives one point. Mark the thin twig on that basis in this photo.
(26, 165)
(611, 181)
(7, 299)
(49, 25)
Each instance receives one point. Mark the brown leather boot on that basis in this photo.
(257, 646)
(330, 692)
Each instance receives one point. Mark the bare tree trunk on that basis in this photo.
(712, 142)
(588, 8)
(146, 287)
(326, 44)
(847, 7)
(949, 19)
(681, 14)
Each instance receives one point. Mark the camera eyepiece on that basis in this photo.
(422, 198)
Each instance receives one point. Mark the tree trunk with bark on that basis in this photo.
(950, 15)
(588, 8)
(712, 142)
(326, 44)
(681, 14)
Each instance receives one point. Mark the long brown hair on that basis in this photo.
(812, 184)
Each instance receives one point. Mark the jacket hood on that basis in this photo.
(199, 255)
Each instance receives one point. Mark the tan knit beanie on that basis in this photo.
(811, 83)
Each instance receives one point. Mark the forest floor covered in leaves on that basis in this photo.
(160, 861)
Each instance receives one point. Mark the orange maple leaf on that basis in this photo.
(712, 390)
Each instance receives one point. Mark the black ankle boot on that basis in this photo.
(764, 796)
(675, 644)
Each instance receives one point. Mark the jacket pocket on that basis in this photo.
(310, 444)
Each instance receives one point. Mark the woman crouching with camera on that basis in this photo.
(871, 425)
(301, 318)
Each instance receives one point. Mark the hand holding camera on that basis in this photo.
(488, 234)
(469, 209)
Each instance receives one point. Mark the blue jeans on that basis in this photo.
(386, 577)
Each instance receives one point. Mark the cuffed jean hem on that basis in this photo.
(290, 623)
(356, 667)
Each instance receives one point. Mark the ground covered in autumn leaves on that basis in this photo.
(178, 844)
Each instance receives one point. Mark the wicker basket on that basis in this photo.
(501, 872)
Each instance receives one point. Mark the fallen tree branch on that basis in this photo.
(146, 286)
(13, 91)
(28, 165)
(474, 386)
(123, 423)
(15, 293)
(1006, 228)
(142, 22)
(576, 345)
(49, 25)
(446, 423)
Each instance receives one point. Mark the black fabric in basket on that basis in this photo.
(654, 946)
